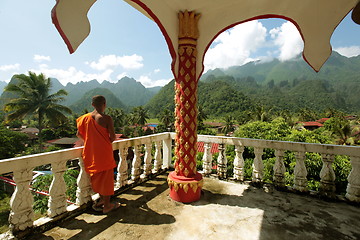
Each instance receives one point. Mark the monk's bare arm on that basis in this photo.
(79, 135)
(110, 127)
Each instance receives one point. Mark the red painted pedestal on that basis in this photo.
(185, 189)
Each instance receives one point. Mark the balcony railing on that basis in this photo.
(146, 162)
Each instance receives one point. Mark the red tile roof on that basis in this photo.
(312, 124)
(322, 120)
(214, 147)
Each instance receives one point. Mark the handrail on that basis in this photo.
(21, 216)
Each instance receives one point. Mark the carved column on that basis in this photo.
(207, 159)
(57, 200)
(300, 172)
(222, 162)
(122, 169)
(185, 182)
(279, 169)
(21, 214)
(258, 166)
(135, 170)
(353, 188)
(327, 175)
(147, 160)
(84, 190)
(239, 163)
(158, 158)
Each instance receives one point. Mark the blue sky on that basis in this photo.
(123, 42)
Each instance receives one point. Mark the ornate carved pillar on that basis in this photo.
(185, 182)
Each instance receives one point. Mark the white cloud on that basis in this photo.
(9, 67)
(121, 75)
(157, 70)
(111, 61)
(40, 58)
(72, 74)
(288, 39)
(147, 82)
(234, 46)
(348, 51)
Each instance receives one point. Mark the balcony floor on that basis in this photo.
(225, 211)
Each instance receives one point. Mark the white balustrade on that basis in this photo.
(300, 172)
(21, 203)
(258, 166)
(207, 159)
(222, 162)
(158, 158)
(353, 188)
(239, 163)
(167, 153)
(21, 214)
(122, 168)
(57, 200)
(327, 175)
(136, 164)
(279, 168)
(83, 190)
(147, 160)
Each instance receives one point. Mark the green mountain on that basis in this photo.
(76, 91)
(336, 68)
(129, 91)
(291, 85)
(164, 99)
(2, 85)
(85, 101)
(217, 98)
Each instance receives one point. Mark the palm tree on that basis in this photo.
(119, 117)
(33, 98)
(260, 113)
(139, 116)
(344, 131)
(167, 118)
(229, 124)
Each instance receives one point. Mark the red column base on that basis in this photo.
(185, 189)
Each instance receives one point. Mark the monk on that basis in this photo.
(96, 129)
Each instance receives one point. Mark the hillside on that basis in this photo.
(2, 85)
(85, 101)
(127, 90)
(336, 69)
(290, 85)
(217, 98)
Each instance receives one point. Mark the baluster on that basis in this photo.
(158, 157)
(258, 166)
(353, 187)
(279, 169)
(136, 164)
(57, 200)
(222, 162)
(84, 190)
(122, 168)
(167, 154)
(300, 172)
(207, 159)
(147, 160)
(327, 175)
(21, 214)
(239, 163)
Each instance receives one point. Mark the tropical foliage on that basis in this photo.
(33, 98)
(11, 143)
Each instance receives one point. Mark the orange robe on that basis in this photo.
(97, 154)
